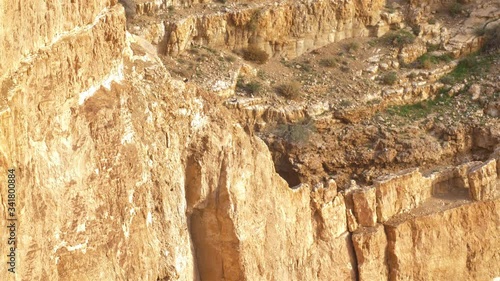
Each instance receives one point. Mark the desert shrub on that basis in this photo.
(432, 47)
(456, 9)
(328, 62)
(416, 29)
(305, 66)
(345, 103)
(352, 47)
(427, 61)
(230, 58)
(399, 38)
(289, 90)
(252, 87)
(412, 76)
(298, 133)
(255, 54)
(492, 38)
(129, 6)
(389, 78)
(431, 21)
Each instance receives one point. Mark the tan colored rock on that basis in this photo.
(410, 53)
(493, 109)
(365, 206)
(370, 245)
(33, 25)
(484, 183)
(287, 28)
(455, 244)
(400, 193)
(453, 180)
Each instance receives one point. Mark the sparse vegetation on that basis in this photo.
(328, 62)
(433, 47)
(252, 87)
(262, 74)
(253, 23)
(389, 78)
(421, 109)
(345, 103)
(399, 38)
(352, 47)
(305, 66)
(492, 38)
(255, 54)
(427, 61)
(230, 58)
(298, 133)
(290, 90)
(456, 9)
(469, 66)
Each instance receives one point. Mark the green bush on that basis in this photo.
(289, 90)
(255, 54)
(473, 65)
(252, 87)
(427, 61)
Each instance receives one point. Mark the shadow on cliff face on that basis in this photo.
(285, 169)
(130, 10)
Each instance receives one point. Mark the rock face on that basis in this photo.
(126, 174)
(458, 243)
(289, 28)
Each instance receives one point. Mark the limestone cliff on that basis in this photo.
(289, 28)
(124, 173)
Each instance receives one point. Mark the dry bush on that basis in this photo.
(255, 54)
(389, 78)
(289, 90)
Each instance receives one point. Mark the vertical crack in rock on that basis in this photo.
(216, 246)
(391, 258)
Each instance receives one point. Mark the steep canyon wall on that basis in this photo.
(126, 174)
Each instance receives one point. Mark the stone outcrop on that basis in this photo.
(288, 28)
(371, 253)
(124, 173)
(484, 183)
(459, 243)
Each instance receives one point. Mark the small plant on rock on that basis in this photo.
(289, 90)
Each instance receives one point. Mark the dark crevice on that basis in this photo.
(352, 255)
